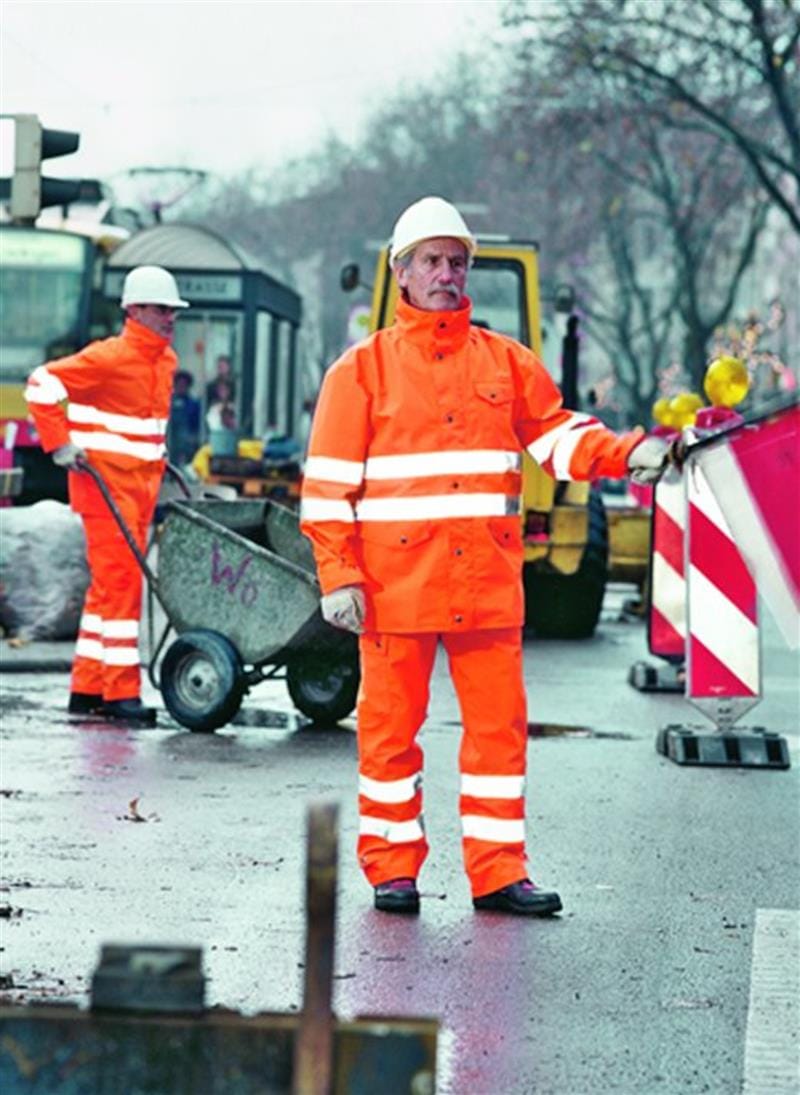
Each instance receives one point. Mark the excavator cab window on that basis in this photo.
(497, 291)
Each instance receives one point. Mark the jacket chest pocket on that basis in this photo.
(495, 393)
(492, 413)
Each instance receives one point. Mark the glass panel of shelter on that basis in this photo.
(261, 379)
(209, 346)
(275, 386)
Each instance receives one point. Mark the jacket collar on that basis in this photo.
(445, 331)
(145, 340)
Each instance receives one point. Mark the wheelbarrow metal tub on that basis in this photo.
(213, 573)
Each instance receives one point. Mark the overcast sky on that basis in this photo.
(218, 86)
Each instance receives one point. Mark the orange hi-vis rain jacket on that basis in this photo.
(413, 476)
(117, 395)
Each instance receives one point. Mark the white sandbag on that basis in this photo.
(43, 571)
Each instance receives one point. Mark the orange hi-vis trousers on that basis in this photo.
(486, 669)
(107, 651)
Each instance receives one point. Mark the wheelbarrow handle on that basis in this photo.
(175, 473)
(85, 466)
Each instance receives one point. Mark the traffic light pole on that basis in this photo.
(30, 192)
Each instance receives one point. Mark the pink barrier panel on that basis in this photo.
(754, 475)
(666, 621)
(723, 647)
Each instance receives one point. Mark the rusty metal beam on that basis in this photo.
(313, 1063)
(63, 1048)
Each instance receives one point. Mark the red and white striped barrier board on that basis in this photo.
(755, 476)
(666, 621)
(723, 650)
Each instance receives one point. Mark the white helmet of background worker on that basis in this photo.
(151, 285)
(427, 219)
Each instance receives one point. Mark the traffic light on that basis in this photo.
(33, 144)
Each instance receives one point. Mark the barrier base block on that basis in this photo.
(657, 678)
(751, 747)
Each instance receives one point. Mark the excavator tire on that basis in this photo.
(567, 606)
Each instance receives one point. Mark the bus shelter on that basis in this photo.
(241, 319)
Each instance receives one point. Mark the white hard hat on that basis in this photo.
(429, 218)
(151, 285)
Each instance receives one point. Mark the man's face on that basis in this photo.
(158, 317)
(435, 278)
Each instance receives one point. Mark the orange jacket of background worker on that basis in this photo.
(411, 498)
(108, 405)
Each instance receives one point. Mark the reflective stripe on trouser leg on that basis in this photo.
(87, 664)
(392, 704)
(116, 594)
(486, 667)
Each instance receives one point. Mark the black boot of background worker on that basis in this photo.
(85, 703)
(131, 711)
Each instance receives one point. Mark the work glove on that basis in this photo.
(345, 608)
(68, 456)
(647, 461)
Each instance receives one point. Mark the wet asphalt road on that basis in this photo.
(642, 985)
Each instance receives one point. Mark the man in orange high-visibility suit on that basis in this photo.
(117, 395)
(411, 500)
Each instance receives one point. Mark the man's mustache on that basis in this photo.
(451, 289)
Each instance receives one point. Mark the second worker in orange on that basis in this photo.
(107, 406)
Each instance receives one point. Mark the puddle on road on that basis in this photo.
(561, 730)
(277, 720)
(285, 720)
(566, 730)
(11, 703)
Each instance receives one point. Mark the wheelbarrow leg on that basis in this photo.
(313, 1057)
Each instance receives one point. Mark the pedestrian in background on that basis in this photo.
(221, 388)
(224, 402)
(184, 420)
(411, 500)
(117, 394)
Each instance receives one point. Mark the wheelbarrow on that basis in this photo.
(237, 583)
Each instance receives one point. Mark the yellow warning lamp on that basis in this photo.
(683, 408)
(661, 412)
(726, 382)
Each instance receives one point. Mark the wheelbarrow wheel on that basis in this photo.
(323, 687)
(201, 680)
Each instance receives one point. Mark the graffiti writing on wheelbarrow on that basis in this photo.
(222, 573)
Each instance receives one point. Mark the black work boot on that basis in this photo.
(85, 703)
(130, 711)
(399, 895)
(520, 898)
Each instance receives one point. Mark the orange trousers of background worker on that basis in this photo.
(486, 669)
(106, 659)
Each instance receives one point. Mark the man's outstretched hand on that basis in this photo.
(647, 461)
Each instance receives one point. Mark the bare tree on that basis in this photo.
(726, 67)
(671, 214)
